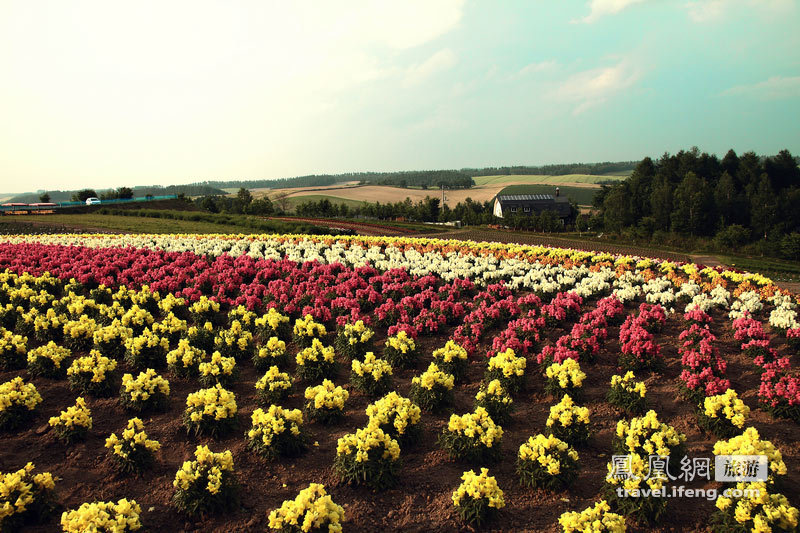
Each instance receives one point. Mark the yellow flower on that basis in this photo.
(479, 487)
(311, 509)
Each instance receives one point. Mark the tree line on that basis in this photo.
(748, 202)
(119, 193)
(452, 179)
(607, 167)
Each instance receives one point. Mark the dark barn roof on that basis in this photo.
(537, 203)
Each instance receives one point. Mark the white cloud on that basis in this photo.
(441, 60)
(537, 67)
(201, 86)
(600, 8)
(593, 87)
(775, 88)
(700, 11)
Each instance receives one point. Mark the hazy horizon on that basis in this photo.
(99, 94)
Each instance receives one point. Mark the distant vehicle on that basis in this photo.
(92, 201)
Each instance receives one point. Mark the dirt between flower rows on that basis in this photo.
(422, 499)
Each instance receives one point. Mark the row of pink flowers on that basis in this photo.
(586, 337)
(637, 343)
(704, 370)
(779, 391)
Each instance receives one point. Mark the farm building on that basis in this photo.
(528, 204)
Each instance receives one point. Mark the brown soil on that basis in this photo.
(421, 501)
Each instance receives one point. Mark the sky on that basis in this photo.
(108, 93)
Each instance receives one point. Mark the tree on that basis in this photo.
(725, 197)
(616, 209)
(661, 201)
(692, 206)
(83, 194)
(782, 170)
(44, 198)
(762, 206)
(261, 207)
(732, 237)
(244, 197)
(209, 204)
(125, 193)
(730, 163)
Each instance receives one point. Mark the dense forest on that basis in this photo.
(746, 202)
(599, 169)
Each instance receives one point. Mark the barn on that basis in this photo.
(529, 204)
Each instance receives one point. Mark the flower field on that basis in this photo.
(312, 383)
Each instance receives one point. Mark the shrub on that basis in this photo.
(147, 392)
(235, 342)
(171, 328)
(369, 456)
(373, 376)
(452, 359)
(92, 374)
(207, 484)
(111, 339)
(245, 317)
(74, 423)
(277, 432)
(49, 326)
(750, 443)
(398, 417)
(185, 359)
(148, 350)
(18, 403)
(472, 437)
(598, 519)
(354, 340)
(508, 369)
(273, 387)
(210, 411)
(79, 334)
(478, 497)
(219, 370)
(25, 497)
(316, 362)
(646, 435)
(496, 400)
(272, 324)
(201, 337)
(325, 403)
(755, 510)
(203, 310)
(13, 350)
(627, 394)
(433, 389)
(273, 353)
(569, 422)
(133, 451)
(634, 476)
(48, 361)
(401, 350)
(547, 462)
(724, 415)
(137, 319)
(119, 517)
(564, 378)
(312, 511)
(779, 394)
(306, 330)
